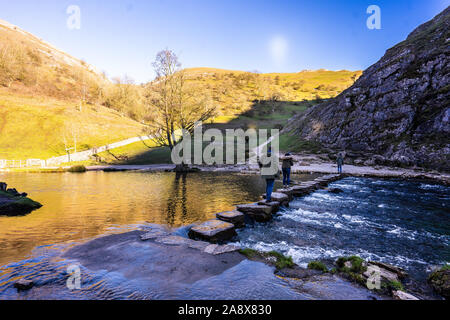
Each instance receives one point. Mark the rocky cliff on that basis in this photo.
(398, 110)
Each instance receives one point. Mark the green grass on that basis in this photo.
(281, 261)
(47, 122)
(317, 265)
(393, 286)
(294, 144)
(249, 253)
(357, 264)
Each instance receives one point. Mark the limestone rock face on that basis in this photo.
(398, 111)
(213, 231)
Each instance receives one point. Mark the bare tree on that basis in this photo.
(172, 103)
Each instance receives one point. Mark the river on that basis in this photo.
(405, 223)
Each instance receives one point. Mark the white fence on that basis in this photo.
(77, 156)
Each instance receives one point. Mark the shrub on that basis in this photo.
(393, 286)
(77, 169)
(357, 264)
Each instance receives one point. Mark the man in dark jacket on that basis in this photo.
(286, 168)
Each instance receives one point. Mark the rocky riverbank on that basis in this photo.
(14, 203)
(177, 267)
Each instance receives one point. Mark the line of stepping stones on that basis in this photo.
(223, 228)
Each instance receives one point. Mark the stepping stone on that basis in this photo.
(23, 284)
(257, 212)
(274, 205)
(280, 197)
(299, 191)
(322, 183)
(287, 191)
(213, 231)
(235, 217)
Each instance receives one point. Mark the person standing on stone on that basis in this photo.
(340, 162)
(269, 172)
(286, 168)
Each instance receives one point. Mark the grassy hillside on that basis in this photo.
(235, 92)
(50, 100)
(33, 127)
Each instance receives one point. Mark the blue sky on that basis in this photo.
(123, 37)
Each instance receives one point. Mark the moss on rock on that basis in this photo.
(440, 281)
(14, 205)
(275, 258)
(317, 265)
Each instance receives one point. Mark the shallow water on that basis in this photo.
(404, 223)
(82, 206)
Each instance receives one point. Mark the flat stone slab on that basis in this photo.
(275, 205)
(153, 234)
(299, 191)
(279, 197)
(385, 275)
(213, 231)
(401, 273)
(174, 240)
(257, 212)
(401, 295)
(216, 249)
(235, 217)
(287, 191)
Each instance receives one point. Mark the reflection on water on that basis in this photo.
(81, 206)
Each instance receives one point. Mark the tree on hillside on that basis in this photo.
(125, 97)
(173, 103)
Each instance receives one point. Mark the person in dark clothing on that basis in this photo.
(269, 174)
(340, 162)
(286, 168)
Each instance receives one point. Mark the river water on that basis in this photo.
(405, 223)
